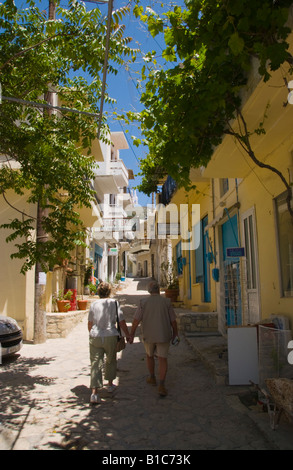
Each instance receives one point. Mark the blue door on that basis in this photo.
(232, 286)
(207, 277)
(202, 265)
(97, 260)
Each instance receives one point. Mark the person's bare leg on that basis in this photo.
(163, 367)
(151, 365)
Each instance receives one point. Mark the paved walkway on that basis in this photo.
(44, 402)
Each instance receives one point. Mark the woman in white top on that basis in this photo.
(103, 339)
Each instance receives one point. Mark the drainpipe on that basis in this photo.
(290, 170)
(237, 200)
(214, 228)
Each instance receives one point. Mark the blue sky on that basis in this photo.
(123, 86)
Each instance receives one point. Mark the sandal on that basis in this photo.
(94, 399)
(151, 380)
(162, 391)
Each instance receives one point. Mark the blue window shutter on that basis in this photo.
(199, 265)
(179, 258)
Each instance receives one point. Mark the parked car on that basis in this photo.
(10, 336)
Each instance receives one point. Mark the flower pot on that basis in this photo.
(82, 304)
(63, 305)
(172, 294)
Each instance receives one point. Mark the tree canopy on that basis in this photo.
(52, 149)
(190, 103)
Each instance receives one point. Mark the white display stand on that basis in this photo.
(243, 355)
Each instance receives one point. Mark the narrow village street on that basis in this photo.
(45, 400)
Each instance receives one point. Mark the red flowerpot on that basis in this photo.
(63, 305)
(82, 304)
(172, 294)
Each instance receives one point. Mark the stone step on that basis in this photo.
(200, 308)
(192, 322)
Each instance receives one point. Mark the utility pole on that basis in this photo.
(108, 34)
(40, 315)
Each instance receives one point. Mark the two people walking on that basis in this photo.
(159, 327)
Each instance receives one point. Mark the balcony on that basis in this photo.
(120, 173)
(91, 216)
(127, 198)
(105, 184)
(114, 211)
(96, 151)
(140, 246)
(117, 175)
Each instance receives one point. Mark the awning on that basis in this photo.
(105, 184)
(119, 140)
(90, 216)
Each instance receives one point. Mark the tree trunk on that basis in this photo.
(40, 317)
(40, 320)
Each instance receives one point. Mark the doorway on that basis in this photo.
(145, 268)
(249, 238)
(202, 265)
(231, 273)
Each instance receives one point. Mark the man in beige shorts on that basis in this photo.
(159, 326)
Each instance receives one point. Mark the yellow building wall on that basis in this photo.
(201, 196)
(17, 290)
(261, 196)
(258, 187)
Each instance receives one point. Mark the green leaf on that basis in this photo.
(236, 44)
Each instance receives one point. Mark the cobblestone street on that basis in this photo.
(45, 400)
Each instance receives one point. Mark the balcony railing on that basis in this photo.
(117, 169)
(139, 246)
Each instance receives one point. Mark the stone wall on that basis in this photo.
(197, 322)
(60, 324)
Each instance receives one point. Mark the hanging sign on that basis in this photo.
(112, 251)
(42, 279)
(235, 252)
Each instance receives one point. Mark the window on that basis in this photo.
(250, 251)
(285, 242)
(224, 186)
(112, 199)
(113, 155)
(179, 261)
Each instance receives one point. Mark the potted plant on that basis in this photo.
(170, 280)
(63, 300)
(82, 303)
(92, 288)
(118, 277)
(87, 278)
